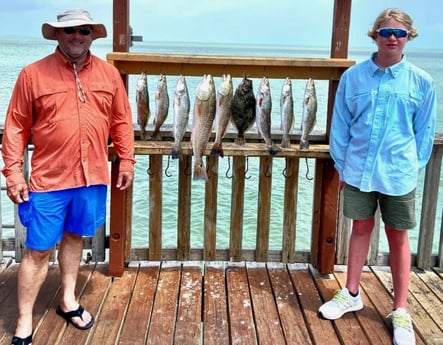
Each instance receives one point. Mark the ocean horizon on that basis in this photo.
(17, 52)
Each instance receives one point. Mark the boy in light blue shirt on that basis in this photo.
(382, 134)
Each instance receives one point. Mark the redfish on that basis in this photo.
(203, 119)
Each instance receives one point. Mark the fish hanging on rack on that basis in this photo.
(142, 101)
(222, 113)
(309, 117)
(181, 107)
(243, 108)
(263, 114)
(202, 122)
(161, 106)
(286, 112)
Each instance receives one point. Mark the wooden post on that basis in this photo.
(120, 219)
(327, 185)
(121, 30)
(121, 201)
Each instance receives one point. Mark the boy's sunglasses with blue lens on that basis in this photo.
(388, 32)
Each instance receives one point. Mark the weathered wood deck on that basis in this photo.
(223, 303)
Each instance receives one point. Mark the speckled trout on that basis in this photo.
(286, 112)
(309, 117)
(263, 114)
(181, 107)
(142, 101)
(161, 106)
(224, 96)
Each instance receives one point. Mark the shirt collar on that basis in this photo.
(394, 70)
(62, 58)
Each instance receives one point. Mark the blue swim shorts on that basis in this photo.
(46, 215)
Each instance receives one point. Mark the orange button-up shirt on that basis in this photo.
(70, 137)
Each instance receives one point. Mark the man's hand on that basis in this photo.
(18, 193)
(124, 179)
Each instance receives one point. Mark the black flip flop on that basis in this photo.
(75, 313)
(21, 341)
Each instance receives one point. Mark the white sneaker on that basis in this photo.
(402, 327)
(341, 303)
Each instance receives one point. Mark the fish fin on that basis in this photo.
(200, 173)
(285, 142)
(176, 152)
(217, 150)
(304, 144)
(273, 150)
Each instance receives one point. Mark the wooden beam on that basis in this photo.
(237, 66)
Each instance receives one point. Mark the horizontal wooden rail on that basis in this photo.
(236, 66)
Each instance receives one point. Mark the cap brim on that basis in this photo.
(49, 29)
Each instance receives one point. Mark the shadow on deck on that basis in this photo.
(223, 303)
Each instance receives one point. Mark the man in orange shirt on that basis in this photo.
(68, 103)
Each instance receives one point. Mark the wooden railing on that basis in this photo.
(329, 229)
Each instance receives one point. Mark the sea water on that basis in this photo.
(16, 52)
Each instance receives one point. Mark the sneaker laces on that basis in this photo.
(401, 320)
(340, 298)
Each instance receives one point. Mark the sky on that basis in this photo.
(292, 22)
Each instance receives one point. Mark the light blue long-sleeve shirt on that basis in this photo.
(383, 126)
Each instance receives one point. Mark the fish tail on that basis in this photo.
(273, 150)
(200, 173)
(285, 142)
(304, 144)
(217, 150)
(176, 152)
(142, 134)
(240, 140)
(156, 135)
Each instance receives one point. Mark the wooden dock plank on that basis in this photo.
(51, 329)
(92, 299)
(267, 321)
(291, 316)
(321, 331)
(375, 328)
(135, 328)
(424, 325)
(218, 303)
(162, 327)
(432, 280)
(215, 314)
(188, 324)
(241, 319)
(348, 328)
(114, 309)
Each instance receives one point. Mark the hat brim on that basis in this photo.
(49, 29)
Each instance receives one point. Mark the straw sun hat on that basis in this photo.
(71, 18)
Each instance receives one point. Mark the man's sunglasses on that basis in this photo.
(387, 32)
(83, 30)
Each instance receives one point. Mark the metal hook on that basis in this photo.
(187, 170)
(247, 168)
(229, 168)
(268, 173)
(307, 171)
(167, 169)
(148, 171)
(285, 169)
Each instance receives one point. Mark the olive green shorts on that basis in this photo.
(398, 212)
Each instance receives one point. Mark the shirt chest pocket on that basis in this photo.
(53, 105)
(102, 96)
